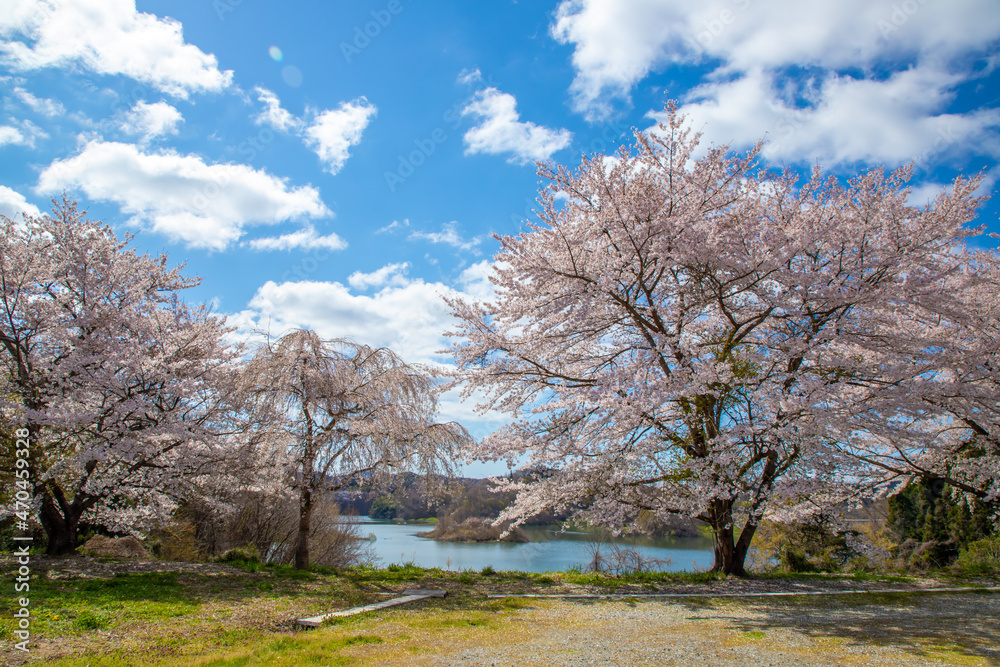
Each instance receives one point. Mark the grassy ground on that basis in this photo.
(246, 616)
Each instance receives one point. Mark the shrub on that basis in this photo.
(980, 557)
(176, 541)
(269, 521)
(383, 509)
(812, 545)
(245, 554)
(88, 620)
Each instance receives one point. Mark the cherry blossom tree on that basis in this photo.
(936, 415)
(111, 373)
(344, 413)
(693, 335)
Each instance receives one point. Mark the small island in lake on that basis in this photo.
(474, 529)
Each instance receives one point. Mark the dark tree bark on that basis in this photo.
(730, 551)
(305, 501)
(60, 519)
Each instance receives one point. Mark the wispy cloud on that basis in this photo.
(389, 275)
(42, 105)
(306, 239)
(393, 227)
(448, 235)
(273, 115)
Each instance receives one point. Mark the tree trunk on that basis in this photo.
(61, 522)
(60, 517)
(730, 553)
(305, 516)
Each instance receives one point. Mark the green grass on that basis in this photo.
(70, 607)
(348, 641)
(88, 620)
(185, 615)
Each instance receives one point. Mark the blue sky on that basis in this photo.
(340, 165)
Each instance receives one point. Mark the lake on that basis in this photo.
(548, 551)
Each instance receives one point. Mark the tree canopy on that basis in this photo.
(112, 373)
(685, 332)
(344, 412)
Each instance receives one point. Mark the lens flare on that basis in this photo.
(275, 54)
(292, 75)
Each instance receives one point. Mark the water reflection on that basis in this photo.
(549, 550)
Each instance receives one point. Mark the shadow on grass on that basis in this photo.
(935, 626)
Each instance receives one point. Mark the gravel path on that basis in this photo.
(881, 630)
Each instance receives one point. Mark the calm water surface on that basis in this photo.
(548, 551)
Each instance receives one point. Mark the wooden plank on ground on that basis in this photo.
(428, 593)
(409, 595)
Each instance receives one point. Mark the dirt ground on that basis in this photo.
(888, 630)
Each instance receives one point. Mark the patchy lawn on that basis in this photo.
(93, 612)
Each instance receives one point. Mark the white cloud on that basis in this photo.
(618, 42)
(410, 319)
(390, 274)
(13, 204)
(11, 135)
(305, 238)
(470, 76)
(895, 120)
(25, 135)
(44, 106)
(107, 37)
(925, 193)
(835, 82)
(203, 205)
(329, 133)
(501, 131)
(448, 235)
(273, 115)
(475, 280)
(152, 120)
(333, 132)
(393, 226)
